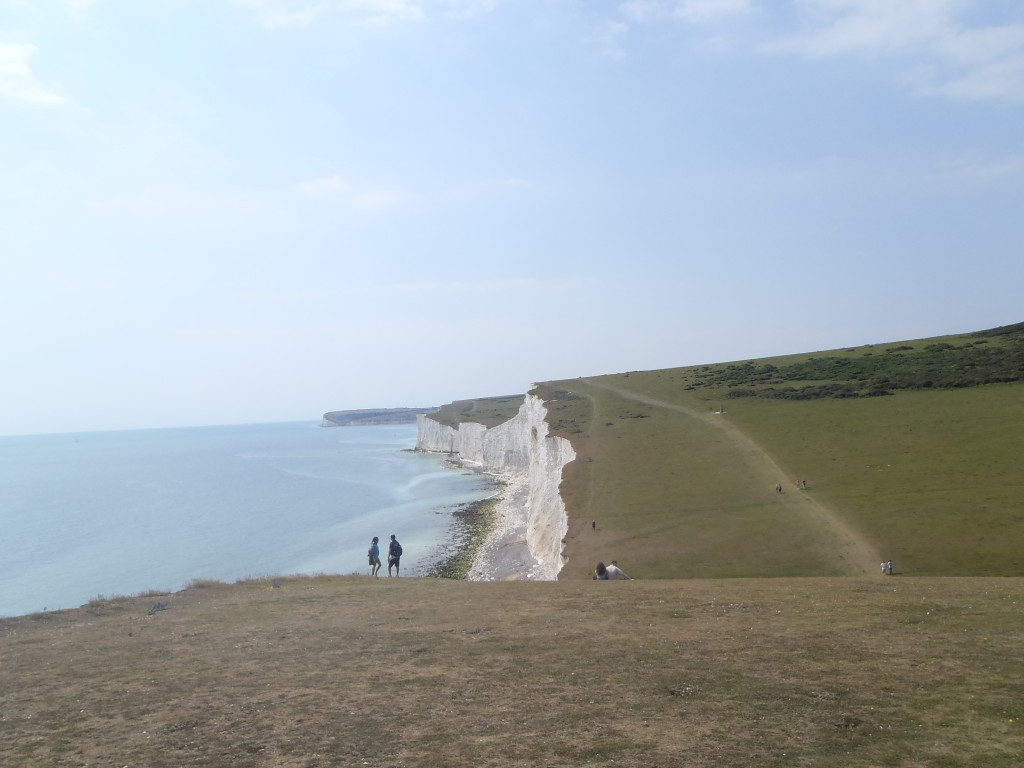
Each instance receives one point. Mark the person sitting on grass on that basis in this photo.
(609, 572)
(614, 572)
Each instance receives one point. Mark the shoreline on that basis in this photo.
(472, 523)
(504, 555)
(491, 543)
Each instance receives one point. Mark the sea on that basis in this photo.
(101, 514)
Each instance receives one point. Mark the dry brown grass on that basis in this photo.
(338, 671)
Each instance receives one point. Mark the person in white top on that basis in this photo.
(614, 572)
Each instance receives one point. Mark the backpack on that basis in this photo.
(396, 548)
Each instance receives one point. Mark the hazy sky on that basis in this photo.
(221, 211)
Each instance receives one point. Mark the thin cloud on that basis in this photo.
(643, 10)
(519, 286)
(482, 189)
(280, 14)
(692, 11)
(326, 187)
(984, 169)
(18, 82)
(337, 189)
(377, 198)
(847, 26)
(957, 61)
(81, 6)
(386, 11)
(704, 11)
(610, 39)
(284, 19)
(509, 287)
(466, 9)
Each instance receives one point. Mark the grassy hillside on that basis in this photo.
(910, 452)
(489, 411)
(353, 671)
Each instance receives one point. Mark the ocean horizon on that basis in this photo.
(98, 514)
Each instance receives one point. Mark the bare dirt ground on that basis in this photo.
(353, 671)
(850, 547)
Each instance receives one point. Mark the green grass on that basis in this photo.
(489, 411)
(932, 477)
(926, 476)
(672, 499)
(970, 360)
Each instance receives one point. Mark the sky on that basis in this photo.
(244, 211)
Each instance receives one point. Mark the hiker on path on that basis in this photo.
(374, 555)
(889, 566)
(394, 555)
(614, 572)
(883, 567)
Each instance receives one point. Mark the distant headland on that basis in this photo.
(372, 416)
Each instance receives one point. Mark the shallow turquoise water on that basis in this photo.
(101, 514)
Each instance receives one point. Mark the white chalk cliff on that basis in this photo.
(532, 523)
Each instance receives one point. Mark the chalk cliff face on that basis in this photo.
(522, 450)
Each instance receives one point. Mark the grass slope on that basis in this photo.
(489, 411)
(335, 671)
(926, 476)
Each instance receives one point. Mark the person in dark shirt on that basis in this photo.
(394, 555)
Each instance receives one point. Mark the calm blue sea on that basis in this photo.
(113, 513)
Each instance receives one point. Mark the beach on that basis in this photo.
(505, 554)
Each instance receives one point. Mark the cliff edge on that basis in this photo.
(527, 541)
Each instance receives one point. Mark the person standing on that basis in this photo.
(394, 555)
(374, 555)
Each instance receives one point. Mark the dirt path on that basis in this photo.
(852, 548)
